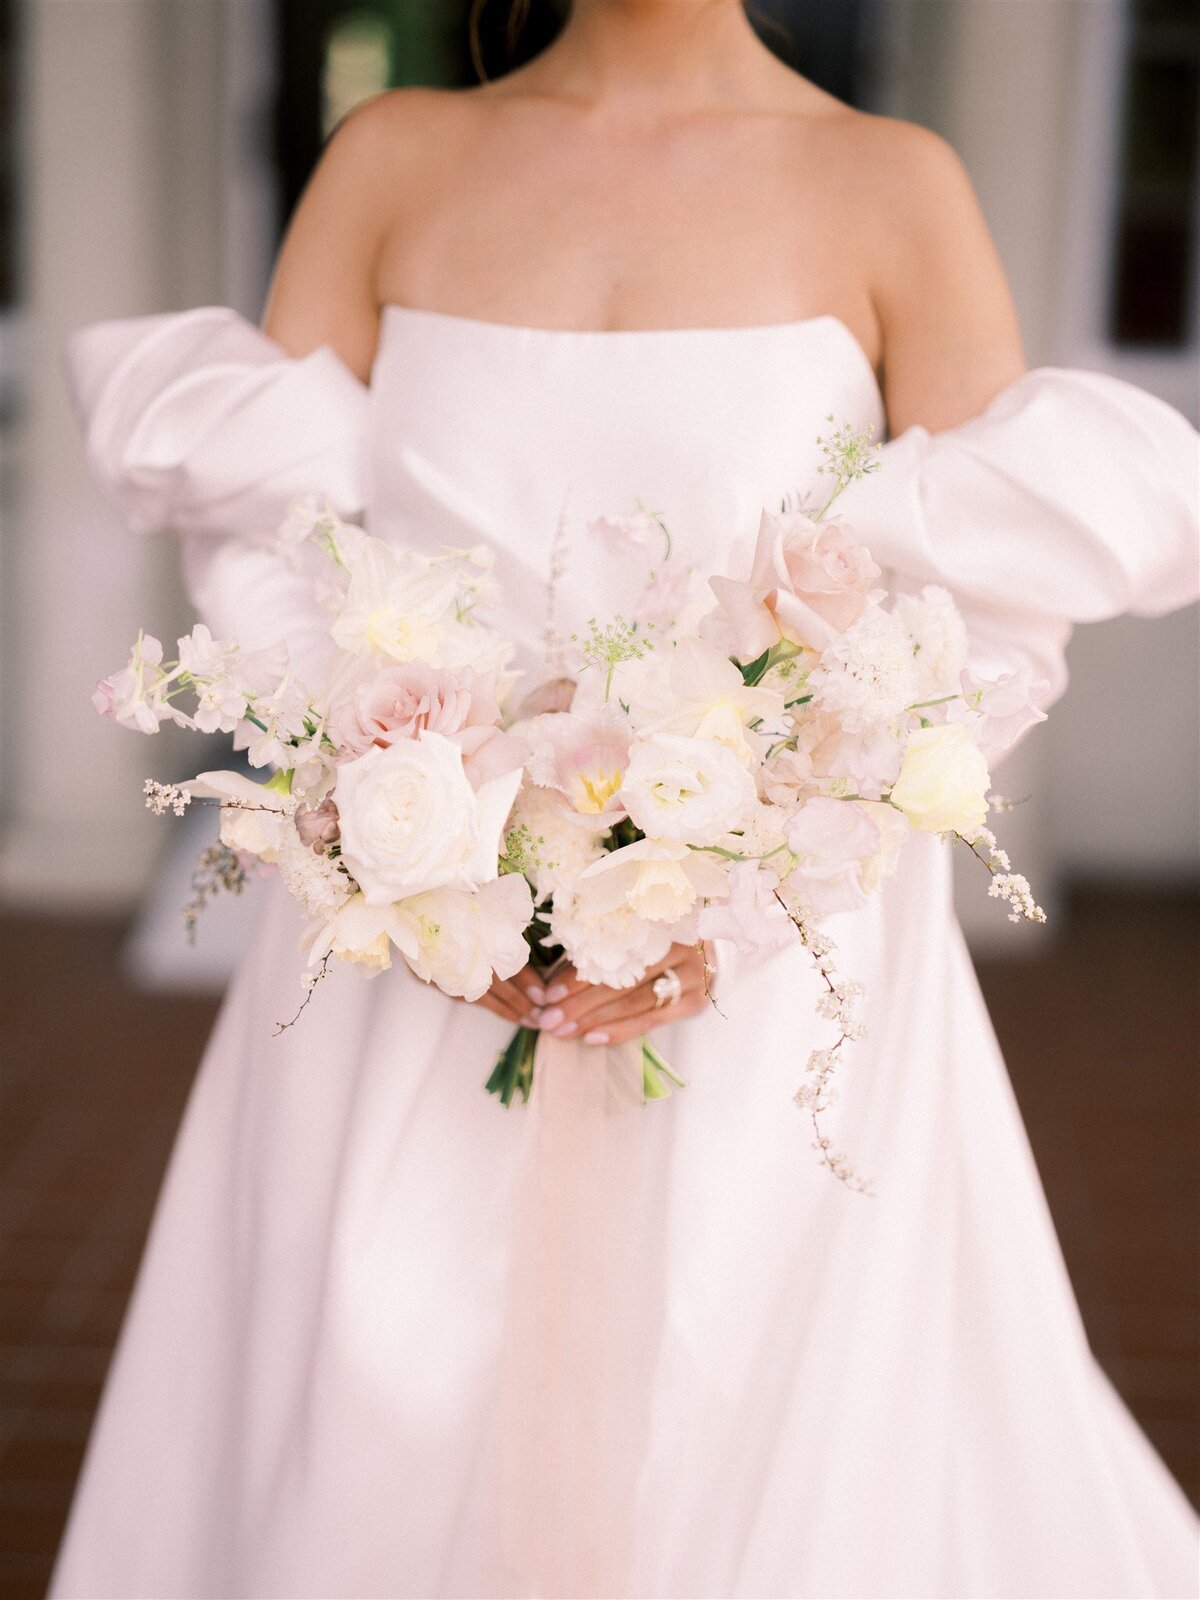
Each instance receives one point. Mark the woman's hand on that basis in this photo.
(567, 1007)
(516, 999)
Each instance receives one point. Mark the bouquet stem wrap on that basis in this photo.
(581, 1329)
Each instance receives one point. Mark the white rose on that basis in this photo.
(692, 790)
(461, 940)
(656, 879)
(411, 822)
(943, 781)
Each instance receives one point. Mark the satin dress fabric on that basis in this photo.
(333, 1375)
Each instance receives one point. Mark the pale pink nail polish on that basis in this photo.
(552, 1017)
(597, 1036)
(566, 1030)
(556, 991)
(536, 993)
(532, 1019)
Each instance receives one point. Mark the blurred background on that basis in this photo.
(151, 152)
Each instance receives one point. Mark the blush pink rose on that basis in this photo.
(402, 702)
(809, 582)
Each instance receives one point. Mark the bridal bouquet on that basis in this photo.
(737, 769)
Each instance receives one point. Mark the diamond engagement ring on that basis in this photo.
(667, 988)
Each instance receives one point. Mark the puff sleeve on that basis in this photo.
(1072, 497)
(196, 422)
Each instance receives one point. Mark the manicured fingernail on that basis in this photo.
(552, 1017)
(556, 991)
(536, 993)
(532, 1019)
(597, 1036)
(566, 1030)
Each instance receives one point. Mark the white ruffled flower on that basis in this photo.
(606, 946)
(939, 637)
(690, 790)
(411, 822)
(315, 881)
(657, 879)
(866, 675)
(460, 940)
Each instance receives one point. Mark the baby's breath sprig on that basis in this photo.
(308, 982)
(164, 797)
(849, 453)
(839, 1004)
(1012, 887)
(217, 868)
(606, 647)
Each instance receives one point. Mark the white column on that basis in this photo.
(123, 143)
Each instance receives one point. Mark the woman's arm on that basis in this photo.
(323, 286)
(951, 338)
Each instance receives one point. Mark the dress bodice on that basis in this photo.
(520, 437)
(1070, 497)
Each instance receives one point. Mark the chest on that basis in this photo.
(574, 226)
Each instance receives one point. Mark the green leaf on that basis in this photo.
(754, 670)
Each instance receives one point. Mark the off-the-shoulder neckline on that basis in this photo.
(759, 330)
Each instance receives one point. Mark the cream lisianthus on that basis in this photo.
(659, 879)
(943, 781)
(411, 822)
(690, 790)
(461, 939)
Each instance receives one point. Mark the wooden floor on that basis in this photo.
(1101, 1031)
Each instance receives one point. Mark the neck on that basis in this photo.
(658, 55)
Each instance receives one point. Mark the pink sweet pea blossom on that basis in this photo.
(1006, 707)
(751, 917)
(837, 842)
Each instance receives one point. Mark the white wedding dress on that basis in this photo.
(364, 1356)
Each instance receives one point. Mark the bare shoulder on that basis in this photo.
(323, 288)
(951, 336)
(387, 131)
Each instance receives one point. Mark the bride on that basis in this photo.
(389, 1339)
